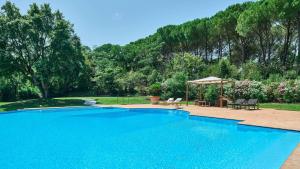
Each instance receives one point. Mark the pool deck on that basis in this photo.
(280, 119)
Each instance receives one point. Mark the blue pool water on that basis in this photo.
(116, 138)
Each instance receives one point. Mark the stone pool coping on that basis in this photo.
(279, 119)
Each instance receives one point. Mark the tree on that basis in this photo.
(296, 9)
(190, 64)
(224, 66)
(41, 45)
(286, 16)
(257, 21)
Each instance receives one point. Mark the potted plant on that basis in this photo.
(155, 91)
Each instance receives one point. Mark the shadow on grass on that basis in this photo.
(36, 103)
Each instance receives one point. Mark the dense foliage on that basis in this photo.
(287, 91)
(39, 48)
(257, 43)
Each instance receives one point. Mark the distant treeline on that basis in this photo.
(41, 55)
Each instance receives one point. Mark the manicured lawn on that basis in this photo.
(281, 106)
(78, 101)
(70, 101)
(115, 100)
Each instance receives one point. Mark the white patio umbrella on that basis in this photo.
(206, 81)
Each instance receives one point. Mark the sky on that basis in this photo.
(98, 22)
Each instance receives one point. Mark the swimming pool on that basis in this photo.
(111, 138)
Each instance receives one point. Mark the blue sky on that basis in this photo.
(121, 21)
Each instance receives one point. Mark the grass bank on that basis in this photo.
(281, 106)
(70, 101)
(78, 101)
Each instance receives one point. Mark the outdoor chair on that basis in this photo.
(202, 103)
(168, 102)
(177, 101)
(90, 102)
(251, 103)
(237, 104)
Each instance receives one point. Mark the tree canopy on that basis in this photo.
(252, 40)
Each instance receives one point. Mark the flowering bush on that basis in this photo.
(270, 91)
(245, 89)
(289, 91)
(297, 90)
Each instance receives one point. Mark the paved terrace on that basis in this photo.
(281, 119)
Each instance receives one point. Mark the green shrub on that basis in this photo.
(251, 71)
(274, 78)
(224, 68)
(28, 92)
(174, 86)
(155, 89)
(229, 91)
(212, 93)
(291, 75)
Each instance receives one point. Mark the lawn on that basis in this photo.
(115, 100)
(78, 101)
(70, 101)
(281, 106)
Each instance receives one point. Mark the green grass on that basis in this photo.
(78, 101)
(281, 106)
(115, 100)
(70, 101)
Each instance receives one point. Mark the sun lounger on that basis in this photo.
(168, 102)
(177, 101)
(237, 104)
(251, 103)
(90, 102)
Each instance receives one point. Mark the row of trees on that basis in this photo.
(41, 54)
(266, 31)
(247, 40)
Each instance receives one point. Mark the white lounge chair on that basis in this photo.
(170, 101)
(90, 102)
(177, 101)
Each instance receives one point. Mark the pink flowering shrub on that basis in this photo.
(245, 89)
(271, 91)
(297, 90)
(287, 91)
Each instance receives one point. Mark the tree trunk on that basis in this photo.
(286, 44)
(206, 48)
(243, 50)
(263, 49)
(42, 87)
(229, 48)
